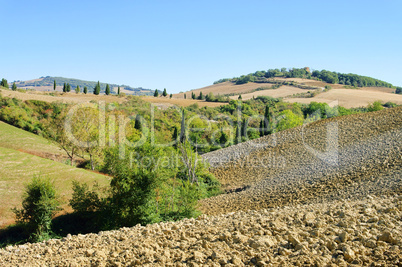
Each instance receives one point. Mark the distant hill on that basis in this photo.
(46, 84)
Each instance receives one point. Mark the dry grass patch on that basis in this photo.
(163, 102)
(351, 98)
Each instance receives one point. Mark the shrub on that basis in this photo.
(38, 207)
(376, 106)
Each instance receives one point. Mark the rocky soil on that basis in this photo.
(293, 168)
(343, 233)
(288, 204)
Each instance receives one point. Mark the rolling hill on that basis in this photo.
(46, 84)
(24, 155)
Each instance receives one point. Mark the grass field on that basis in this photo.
(18, 139)
(18, 168)
(19, 164)
(165, 102)
(283, 91)
(350, 98)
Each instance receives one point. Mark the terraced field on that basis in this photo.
(327, 194)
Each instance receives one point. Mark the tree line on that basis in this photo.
(324, 75)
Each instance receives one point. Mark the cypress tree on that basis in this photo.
(77, 89)
(118, 90)
(171, 96)
(107, 90)
(164, 92)
(267, 120)
(138, 124)
(97, 88)
(14, 87)
(175, 136)
(85, 90)
(223, 138)
(183, 128)
(54, 85)
(156, 93)
(64, 88)
(192, 95)
(200, 97)
(68, 87)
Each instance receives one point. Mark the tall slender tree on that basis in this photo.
(68, 87)
(77, 89)
(14, 87)
(54, 85)
(183, 128)
(107, 90)
(156, 93)
(164, 92)
(85, 90)
(97, 88)
(118, 90)
(64, 87)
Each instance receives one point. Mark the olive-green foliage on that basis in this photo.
(376, 106)
(156, 93)
(287, 120)
(85, 90)
(150, 184)
(38, 207)
(14, 87)
(398, 90)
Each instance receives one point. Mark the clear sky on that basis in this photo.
(182, 45)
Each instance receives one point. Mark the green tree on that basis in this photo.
(118, 90)
(193, 95)
(54, 85)
(85, 90)
(4, 83)
(288, 120)
(77, 89)
(200, 97)
(39, 205)
(164, 92)
(97, 89)
(266, 122)
(170, 96)
(376, 106)
(240, 98)
(64, 87)
(156, 93)
(107, 90)
(14, 87)
(138, 123)
(68, 89)
(183, 137)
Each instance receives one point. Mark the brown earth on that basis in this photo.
(296, 205)
(352, 98)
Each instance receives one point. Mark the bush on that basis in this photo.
(38, 207)
(376, 106)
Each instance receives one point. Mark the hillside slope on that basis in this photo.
(294, 208)
(46, 84)
(24, 155)
(282, 169)
(18, 139)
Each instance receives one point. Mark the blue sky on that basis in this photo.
(182, 45)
